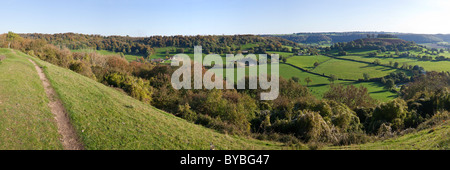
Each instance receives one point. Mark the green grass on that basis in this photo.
(282, 54)
(108, 119)
(427, 65)
(437, 139)
(128, 57)
(352, 70)
(307, 62)
(161, 52)
(376, 90)
(362, 55)
(26, 122)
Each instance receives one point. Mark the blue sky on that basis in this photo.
(205, 17)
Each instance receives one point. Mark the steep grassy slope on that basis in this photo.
(108, 119)
(25, 119)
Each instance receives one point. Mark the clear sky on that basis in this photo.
(205, 17)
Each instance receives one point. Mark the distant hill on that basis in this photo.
(335, 37)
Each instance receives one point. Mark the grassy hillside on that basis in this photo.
(437, 138)
(25, 119)
(108, 119)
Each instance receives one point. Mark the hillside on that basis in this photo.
(437, 138)
(335, 37)
(25, 120)
(104, 118)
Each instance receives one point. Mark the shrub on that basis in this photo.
(336, 114)
(135, 87)
(385, 130)
(438, 118)
(342, 53)
(185, 112)
(138, 88)
(352, 138)
(308, 126)
(393, 112)
(351, 96)
(81, 68)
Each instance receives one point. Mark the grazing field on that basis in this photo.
(161, 52)
(128, 57)
(26, 122)
(352, 70)
(363, 55)
(319, 84)
(282, 54)
(427, 65)
(307, 62)
(106, 118)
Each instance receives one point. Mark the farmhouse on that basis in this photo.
(158, 60)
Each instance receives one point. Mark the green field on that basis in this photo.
(427, 65)
(105, 118)
(352, 70)
(307, 62)
(26, 122)
(319, 84)
(362, 55)
(282, 54)
(128, 57)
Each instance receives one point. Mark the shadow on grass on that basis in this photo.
(380, 91)
(318, 85)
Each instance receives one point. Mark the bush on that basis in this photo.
(438, 118)
(185, 112)
(308, 126)
(342, 53)
(393, 113)
(336, 114)
(135, 87)
(352, 138)
(81, 68)
(385, 130)
(138, 88)
(352, 96)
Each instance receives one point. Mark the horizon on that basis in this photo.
(385, 32)
(140, 18)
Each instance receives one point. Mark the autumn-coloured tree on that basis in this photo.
(351, 96)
